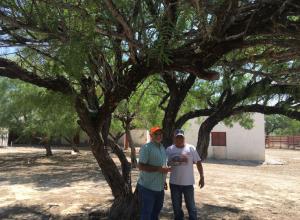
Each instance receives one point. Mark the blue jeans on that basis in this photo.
(176, 196)
(151, 202)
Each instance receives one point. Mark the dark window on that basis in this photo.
(218, 138)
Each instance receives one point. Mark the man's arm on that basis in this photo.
(197, 160)
(201, 173)
(149, 168)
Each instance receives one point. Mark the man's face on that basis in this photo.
(179, 141)
(157, 136)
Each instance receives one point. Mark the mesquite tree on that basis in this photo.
(254, 97)
(97, 52)
(234, 95)
(226, 99)
(276, 65)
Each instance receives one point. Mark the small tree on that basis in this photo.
(133, 112)
(36, 113)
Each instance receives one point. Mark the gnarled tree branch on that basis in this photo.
(12, 70)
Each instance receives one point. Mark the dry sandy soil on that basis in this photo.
(69, 186)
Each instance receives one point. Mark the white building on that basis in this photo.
(235, 142)
(139, 137)
(3, 137)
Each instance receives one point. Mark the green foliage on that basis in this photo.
(31, 111)
(67, 33)
(144, 104)
(281, 125)
(245, 120)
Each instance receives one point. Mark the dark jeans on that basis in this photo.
(176, 196)
(151, 202)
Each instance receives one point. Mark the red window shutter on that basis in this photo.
(218, 138)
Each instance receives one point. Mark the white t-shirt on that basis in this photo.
(181, 161)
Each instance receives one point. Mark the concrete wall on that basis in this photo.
(84, 139)
(139, 137)
(3, 137)
(242, 144)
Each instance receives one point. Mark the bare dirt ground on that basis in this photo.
(67, 186)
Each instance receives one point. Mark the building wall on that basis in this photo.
(139, 137)
(84, 139)
(242, 144)
(3, 137)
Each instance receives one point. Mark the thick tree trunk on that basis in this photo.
(120, 187)
(126, 166)
(45, 141)
(178, 92)
(204, 135)
(170, 116)
(105, 128)
(125, 205)
(76, 142)
(48, 148)
(125, 208)
(132, 148)
(109, 169)
(168, 131)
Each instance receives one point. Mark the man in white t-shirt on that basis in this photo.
(181, 158)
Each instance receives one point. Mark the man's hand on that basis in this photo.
(164, 169)
(201, 182)
(150, 168)
(200, 170)
(166, 186)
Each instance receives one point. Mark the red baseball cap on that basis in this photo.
(155, 129)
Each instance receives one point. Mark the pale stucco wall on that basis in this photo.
(139, 137)
(3, 137)
(242, 144)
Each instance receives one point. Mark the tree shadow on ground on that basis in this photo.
(23, 212)
(206, 212)
(45, 173)
(247, 163)
(37, 213)
(211, 212)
